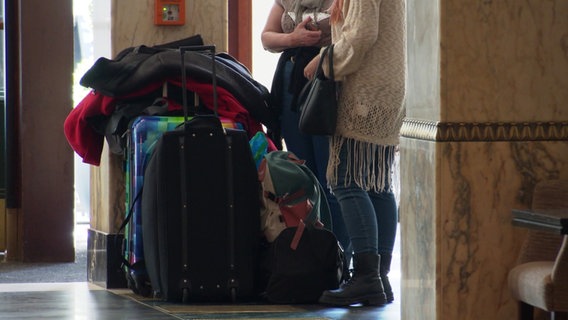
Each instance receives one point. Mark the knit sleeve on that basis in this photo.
(355, 37)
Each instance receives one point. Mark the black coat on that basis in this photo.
(137, 67)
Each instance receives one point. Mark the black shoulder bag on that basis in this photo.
(318, 100)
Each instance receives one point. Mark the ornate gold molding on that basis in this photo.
(489, 131)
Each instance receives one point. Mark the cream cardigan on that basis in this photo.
(370, 61)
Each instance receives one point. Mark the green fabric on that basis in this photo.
(289, 175)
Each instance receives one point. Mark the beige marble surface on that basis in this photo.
(423, 37)
(485, 80)
(133, 23)
(418, 228)
(504, 60)
(487, 61)
(108, 201)
(458, 243)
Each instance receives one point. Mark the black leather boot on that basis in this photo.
(347, 264)
(384, 271)
(364, 287)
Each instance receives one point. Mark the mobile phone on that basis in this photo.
(312, 26)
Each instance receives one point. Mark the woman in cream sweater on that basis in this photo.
(369, 38)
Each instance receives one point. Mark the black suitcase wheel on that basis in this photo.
(185, 295)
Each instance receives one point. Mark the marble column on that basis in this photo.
(487, 118)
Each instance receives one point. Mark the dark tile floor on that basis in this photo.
(70, 301)
(52, 291)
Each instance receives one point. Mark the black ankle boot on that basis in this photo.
(384, 271)
(364, 287)
(347, 266)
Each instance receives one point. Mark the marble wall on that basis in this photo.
(132, 24)
(487, 119)
(504, 60)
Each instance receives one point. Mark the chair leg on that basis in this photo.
(525, 311)
(558, 315)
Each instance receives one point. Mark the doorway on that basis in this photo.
(91, 24)
(263, 62)
(91, 41)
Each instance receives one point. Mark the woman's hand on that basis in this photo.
(275, 40)
(302, 36)
(311, 67)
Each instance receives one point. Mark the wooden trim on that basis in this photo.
(240, 31)
(13, 103)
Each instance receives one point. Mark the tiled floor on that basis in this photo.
(84, 301)
(69, 301)
(46, 299)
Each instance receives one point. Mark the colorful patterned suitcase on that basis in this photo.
(143, 134)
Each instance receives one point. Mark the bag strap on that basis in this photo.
(127, 219)
(330, 62)
(323, 215)
(328, 51)
(320, 215)
(320, 201)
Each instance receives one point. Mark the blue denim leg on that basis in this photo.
(387, 220)
(315, 151)
(371, 217)
(317, 162)
(387, 214)
(358, 210)
(359, 217)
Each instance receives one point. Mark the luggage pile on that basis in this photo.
(197, 195)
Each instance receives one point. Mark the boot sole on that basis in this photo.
(371, 300)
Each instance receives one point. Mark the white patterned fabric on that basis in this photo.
(319, 15)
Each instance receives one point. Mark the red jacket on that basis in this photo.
(88, 143)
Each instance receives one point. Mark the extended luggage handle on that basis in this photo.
(183, 50)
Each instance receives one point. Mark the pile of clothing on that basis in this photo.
(146, 80)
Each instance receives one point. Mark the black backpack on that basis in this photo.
(301, 258)
(301, 275)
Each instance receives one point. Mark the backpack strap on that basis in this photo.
(301, 199)
(320, 214)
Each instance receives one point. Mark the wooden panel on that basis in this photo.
(2, 225)
(46, 159)
(240, 31)
(38, 99)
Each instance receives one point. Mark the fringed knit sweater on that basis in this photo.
(370, 62)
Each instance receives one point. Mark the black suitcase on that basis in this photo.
(200, 213)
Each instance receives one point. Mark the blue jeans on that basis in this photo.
(371, 217)
(315, 151)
